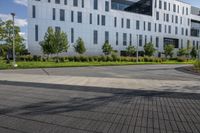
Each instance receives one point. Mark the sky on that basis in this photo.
(20, 8)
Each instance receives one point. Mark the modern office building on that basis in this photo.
(121, 22)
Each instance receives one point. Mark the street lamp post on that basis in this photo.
(137, 48)
(14, 60)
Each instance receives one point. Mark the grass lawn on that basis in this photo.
(24, 65)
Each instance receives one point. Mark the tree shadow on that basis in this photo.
(119, 96)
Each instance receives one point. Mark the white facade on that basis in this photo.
(151, 28)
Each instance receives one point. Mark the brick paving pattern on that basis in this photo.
(40, 108)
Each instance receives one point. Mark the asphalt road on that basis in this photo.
(157, 72)
(43, 108)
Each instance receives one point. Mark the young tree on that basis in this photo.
(193, 53)
(60, 42)
(6, 35)
(130, 50)
(182, 52)
(149, 49)
(54, 42)
(168, 50)
(79, 47)
(48, 42)
(107, 48)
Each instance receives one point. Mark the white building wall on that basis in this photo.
(85, 30)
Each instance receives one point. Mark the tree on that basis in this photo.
(6, 36)
(54, 42)
(79, 47)
(193, 53)
(130, 50)
(168, 50)
(149, 49)
(107, 48)
(60, 42)
(182, 52)
(48, 42)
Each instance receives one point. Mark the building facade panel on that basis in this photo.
(122, 23)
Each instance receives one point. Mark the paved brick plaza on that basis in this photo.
(42, 108)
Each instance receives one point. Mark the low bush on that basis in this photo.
(25, 58)
(182, 59)
(197, 65)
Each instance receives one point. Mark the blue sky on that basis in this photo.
(20, 8)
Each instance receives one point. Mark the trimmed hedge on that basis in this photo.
(110, 58)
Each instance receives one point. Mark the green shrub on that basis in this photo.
(197, 65)
(36, 58)
(84, 59)
(70, 59)
(109, 58)
(24, 58)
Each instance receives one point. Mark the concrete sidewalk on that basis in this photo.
(137, 84)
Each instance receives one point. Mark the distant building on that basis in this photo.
(121, 22)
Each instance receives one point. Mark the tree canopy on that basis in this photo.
(79, 47)
(107, 48)
(6, 36)
(149, 49)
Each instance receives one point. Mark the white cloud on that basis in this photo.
(21, 2)
(19, 22)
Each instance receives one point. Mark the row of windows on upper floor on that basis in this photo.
(174, 18)
(147, 26)
(168, 6)
(127, 38)
(76, 3)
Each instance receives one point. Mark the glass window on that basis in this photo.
(169, 29)
(95, 4)
(75, 3)
(115, 21)
(140, 40)
(54, 14)
(122, 23)
(176, 30)
(57, 1)
(65, 2)
(103, 20)
(62, 15)
(174, 8)
(165, 5)
(57, 29)
(98, 19)
(79, 17)
(124, 39)
(72, 35)
(106, 6)
(72, 16)
(95, 37)
(160, 27)
(90, 18)
(157, 42)
(157, 15)
(33, 11)
(137, 24)
(36, 32)
(117, 38)
(83, 3)
(144, 26)
(160, 4)
(149, 26)
(128, 24)
(130, 39)
(106, 36)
